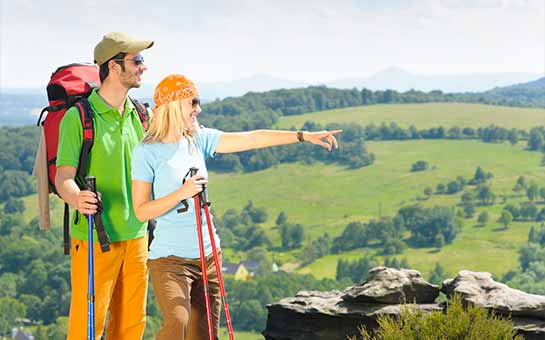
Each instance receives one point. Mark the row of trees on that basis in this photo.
(435, 226)
(316, 98)
(239, 230)
(18, 147)
(357, 271)
(531, 275)
(34, 274)
(352, 152)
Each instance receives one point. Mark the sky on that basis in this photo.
(311, 41)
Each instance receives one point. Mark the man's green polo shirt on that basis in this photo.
(109, 161)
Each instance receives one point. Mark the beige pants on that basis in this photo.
(177, 283)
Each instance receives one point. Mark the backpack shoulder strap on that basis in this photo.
(142, 109)
(86, 116)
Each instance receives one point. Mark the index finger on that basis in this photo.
(334, 132)
(87, 193)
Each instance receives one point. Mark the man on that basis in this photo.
(121, 273)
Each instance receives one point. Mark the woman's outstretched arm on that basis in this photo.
(257, 139)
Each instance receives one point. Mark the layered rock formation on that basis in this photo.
(335, 315)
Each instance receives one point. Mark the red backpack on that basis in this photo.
(71, 85)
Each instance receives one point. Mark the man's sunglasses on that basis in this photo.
(195, 101)
(138, 60)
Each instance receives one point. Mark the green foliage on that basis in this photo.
(291, 236)
(437, 275)
(532, 192)
(355, 271)
(483, 218)
(531, 277)
(15, 183)
(10, 310)
(486, 195)
(247, 299)
(471, 323)
(316, 249)
(239, 230)
(506, 218)
(430, 226)
(387, 231)
(420, 166)
(14, 206)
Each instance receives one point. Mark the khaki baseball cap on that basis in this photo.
(117, 42)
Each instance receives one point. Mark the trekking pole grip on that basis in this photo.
(91, 182)
(202, 194)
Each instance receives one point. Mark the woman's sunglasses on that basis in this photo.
(195, 101)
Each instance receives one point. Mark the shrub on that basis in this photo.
(473, 323)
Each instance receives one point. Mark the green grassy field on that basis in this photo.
(425, 115)
(324, 198)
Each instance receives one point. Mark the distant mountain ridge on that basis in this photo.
(21, 106)
(401, 80)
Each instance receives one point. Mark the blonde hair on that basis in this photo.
(168, 117)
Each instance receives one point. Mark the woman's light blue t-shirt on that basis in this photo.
(165, 165)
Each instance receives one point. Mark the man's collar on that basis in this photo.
(100, 106)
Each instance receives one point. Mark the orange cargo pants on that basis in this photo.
(121, 282)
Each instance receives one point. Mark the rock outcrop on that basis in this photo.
(335, 315)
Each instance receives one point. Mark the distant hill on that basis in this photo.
(401, 80)
(530, 93)
(22, 107)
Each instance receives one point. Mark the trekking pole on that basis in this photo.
(205, 205)
(91, 185)
(196, 200)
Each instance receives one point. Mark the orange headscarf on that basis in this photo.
(174, 87)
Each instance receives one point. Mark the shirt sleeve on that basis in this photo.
(141, 165)
(207, 141)
(70, 139)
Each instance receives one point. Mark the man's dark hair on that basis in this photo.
(104, 71)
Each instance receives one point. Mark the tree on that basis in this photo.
(440, 189)
(428, 191)
(506, 218)
(521, 181)
(291, 236)
(532, 192)
(260, 255)
(542, 193)
(454, 187)
(479, 176)
(437, 274)
(10, 311)
(483, 218)
(485, 195)
(420, 166)
(535, 142)
(513, 136)
(8, 285)
(469, 210)
(14, 206)
(282, 218)
(467, 197)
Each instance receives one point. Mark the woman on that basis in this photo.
(175, 143)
